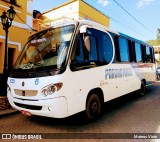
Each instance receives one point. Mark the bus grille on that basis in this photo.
(25, 92)
(31, 107)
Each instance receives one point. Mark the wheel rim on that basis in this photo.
(94, 109)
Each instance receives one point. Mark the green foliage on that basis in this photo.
(154, 42)
(158, 34)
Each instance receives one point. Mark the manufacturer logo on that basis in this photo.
(36, 81)
(12, 80)
(23, 83)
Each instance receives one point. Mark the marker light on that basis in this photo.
(50, 89)
(8, 88)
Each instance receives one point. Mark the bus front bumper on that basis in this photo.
(55, 108)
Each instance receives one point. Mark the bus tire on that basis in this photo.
(93, 107)
(142, 90)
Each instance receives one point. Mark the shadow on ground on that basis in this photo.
(79, 119)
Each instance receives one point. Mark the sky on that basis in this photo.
(137, 18)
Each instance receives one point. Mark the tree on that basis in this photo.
(158, 34)
(157, 41)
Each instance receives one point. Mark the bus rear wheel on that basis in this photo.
(142, 90)
(93, 107)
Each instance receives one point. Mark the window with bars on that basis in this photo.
(12, 2)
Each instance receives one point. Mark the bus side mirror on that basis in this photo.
(83, 29)
(87, 44)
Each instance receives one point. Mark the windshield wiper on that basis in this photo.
(39, 64)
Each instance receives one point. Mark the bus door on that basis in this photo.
(92, 54)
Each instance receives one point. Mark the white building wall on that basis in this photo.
(157, 55)
(29, 18)
(69, 11)
(30, 6)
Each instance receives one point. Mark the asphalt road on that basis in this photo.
(128, 114)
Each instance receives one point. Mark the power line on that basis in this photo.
(133, 17)
(25, 22)
(103, 10)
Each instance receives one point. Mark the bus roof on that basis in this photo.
(95, 24)
(134, 39)
(99, 26)
(92, 23)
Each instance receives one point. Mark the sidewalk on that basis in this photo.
(5, 108)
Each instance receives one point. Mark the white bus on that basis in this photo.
(77, 66)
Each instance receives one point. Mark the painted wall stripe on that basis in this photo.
(12, 42)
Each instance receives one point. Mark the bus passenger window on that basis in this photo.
(85, 55)
(92, 54)
(107, 48)
(148, 55)
(138, 52)
(78, 55)
(123, 48)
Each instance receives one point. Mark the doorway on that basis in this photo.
(10, 58)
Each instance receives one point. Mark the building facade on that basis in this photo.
(18, 32)
(71, 10)
(157, 55)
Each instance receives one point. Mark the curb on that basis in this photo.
(5, 107)
(157, 83)
(8, 112)
(4, 103)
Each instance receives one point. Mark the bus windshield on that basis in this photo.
(47, 49)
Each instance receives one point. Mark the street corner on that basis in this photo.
(4, 103)
(5, 107)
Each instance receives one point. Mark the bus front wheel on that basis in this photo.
(93, 107)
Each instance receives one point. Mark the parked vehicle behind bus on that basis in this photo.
(158, 72)
(77, 66)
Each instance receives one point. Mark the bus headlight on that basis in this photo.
(50, 89)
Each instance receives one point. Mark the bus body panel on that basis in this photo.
(56, 107)
(72, 97)
(58, 101)
(112, 86)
